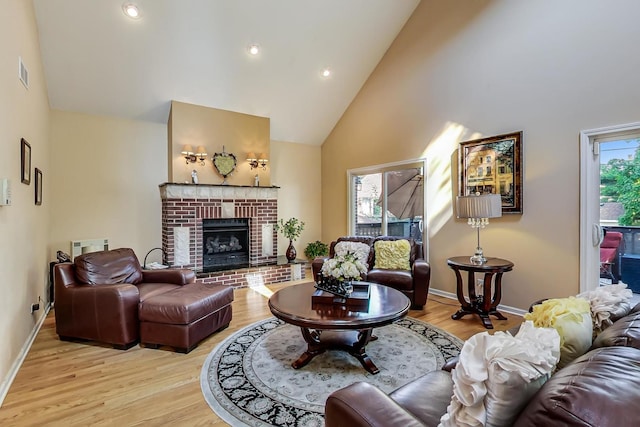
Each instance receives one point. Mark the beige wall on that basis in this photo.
(214, 129)
(24, 227)
(296, 170)
(460, 70)
(106, 173)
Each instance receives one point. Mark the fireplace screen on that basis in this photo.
(225, 244)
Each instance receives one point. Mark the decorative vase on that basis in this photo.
(291, 251)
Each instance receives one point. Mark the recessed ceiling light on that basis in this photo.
(254, 49)
(132, 10)
(326, 73)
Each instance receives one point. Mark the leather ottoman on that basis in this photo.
(183, 317)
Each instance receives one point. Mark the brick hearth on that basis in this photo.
(184, 206)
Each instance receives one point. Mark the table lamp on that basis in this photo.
(478, 209)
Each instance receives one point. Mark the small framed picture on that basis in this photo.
(25, 161)
(38, 187)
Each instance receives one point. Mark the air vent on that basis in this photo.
(23, 73)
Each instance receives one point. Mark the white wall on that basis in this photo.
(24, 227)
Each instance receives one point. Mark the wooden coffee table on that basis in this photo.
(335, 326)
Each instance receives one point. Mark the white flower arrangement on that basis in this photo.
(349, 262)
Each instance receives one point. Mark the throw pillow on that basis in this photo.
(497, 374)
(608, 303)
(392, 254)
(571, 317)
(349, 261)
(360, 250)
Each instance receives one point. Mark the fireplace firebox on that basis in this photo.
(225, 244)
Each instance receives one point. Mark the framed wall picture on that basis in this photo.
(493, 165)
(25, 161)
(38, 187)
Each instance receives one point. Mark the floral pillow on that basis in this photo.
(392, 254)
(358, 249)
(349, 261)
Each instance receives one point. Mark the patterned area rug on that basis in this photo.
(248, 379)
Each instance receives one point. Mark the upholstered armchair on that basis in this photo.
(412, 281)
(97, 296)
(611, 248)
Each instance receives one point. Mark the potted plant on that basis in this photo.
(315, 249)
(291, 229)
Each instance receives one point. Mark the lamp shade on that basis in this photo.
(201, 150)
(187, 149)
(251, 156)
(484, 206)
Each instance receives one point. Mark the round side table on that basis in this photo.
(485, 304)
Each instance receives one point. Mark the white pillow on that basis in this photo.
(497, 374)
(359, 249)
(611, 301)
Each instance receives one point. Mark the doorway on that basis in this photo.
(596, 146)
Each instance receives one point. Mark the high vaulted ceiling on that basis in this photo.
(99, 61)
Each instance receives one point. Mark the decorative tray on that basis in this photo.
(359, 297)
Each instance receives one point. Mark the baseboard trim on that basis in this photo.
(505, 308)
(11, 375)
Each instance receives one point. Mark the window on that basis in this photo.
(387, 200)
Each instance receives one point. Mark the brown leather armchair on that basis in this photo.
(97, 296)
(413, 283)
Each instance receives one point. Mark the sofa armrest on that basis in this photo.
(107, 313)
(362, 404)
(421, 271)
(177, 276)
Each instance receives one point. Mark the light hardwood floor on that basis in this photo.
(77, 384)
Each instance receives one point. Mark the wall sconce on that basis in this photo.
(254, 161)
(191, 157)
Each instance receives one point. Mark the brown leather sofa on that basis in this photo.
(107, 297)
(413, 283)
(599, 389)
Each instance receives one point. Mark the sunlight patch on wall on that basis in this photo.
(441, 154)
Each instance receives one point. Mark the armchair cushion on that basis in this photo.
(392, 254)
(108, 267)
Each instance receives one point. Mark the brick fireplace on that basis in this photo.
(186, 206)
